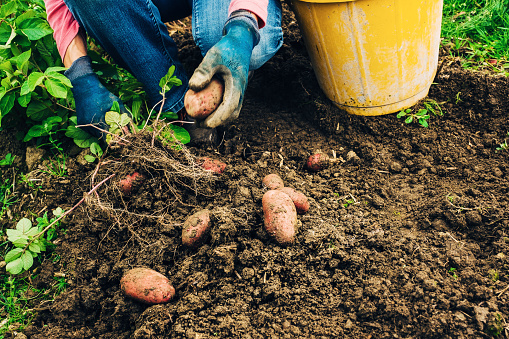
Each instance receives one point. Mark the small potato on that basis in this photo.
(318, 162)
(126, 184)
(280, 216)
(147, 286)
(299, 199)
(272, 181)
(200, 105)
(195, 228)
(212, 165)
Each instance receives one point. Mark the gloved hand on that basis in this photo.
(228, 59)
(92, 99)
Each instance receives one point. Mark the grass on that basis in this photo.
(478, 33)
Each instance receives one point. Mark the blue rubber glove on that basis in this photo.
(92, 99)
(229, 60)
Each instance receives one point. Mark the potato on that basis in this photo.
(212, 165)
(195, 228)
(200, 105)
(299, 199)
(280, 216)
(272, 181)
(147, 286)
(317, 162)
(126, 184)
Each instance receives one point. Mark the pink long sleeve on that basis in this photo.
(258, 7)
(64, 25)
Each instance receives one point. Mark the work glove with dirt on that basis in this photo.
(92, 99)
(228, 60)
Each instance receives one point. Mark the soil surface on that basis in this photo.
(407, 235)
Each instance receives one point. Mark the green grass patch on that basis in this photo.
(477, 32)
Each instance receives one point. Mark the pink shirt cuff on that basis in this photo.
(258, 7)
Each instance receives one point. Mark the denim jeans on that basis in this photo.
(133, 33)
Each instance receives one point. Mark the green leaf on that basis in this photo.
(7, 34)
(7, 103)
(34, 248)
(74, 132)
(409, 119)
(38, 110)
(28, 260)
(13, 235)
(32, 232)
(24, 225)
(24, 100)
(54, 69)
(96, 149)
(34, 80)
(6, 66)
(36, 131)
(85, 143)
(125, 119)
(112, 118)
(56, 88)
(89, 158)
(7, 9)
(423, 122)
(22, 58)
(15, 267)
(13, 254)
(181, 133)
(60, 77)
(401, 114)
(115, 107)
(20, 242)
(35, 28)
(57, 212)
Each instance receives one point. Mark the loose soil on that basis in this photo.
(407, 235)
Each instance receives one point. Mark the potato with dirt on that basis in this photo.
(127, 184)
(195, 228)
(147, 286)
(212, 165)
(318, 161)
(299, 199)
(272, 181)
(280, 216)
(200, 105)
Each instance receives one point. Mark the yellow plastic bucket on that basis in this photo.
(372, 57)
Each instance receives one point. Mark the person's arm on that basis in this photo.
(77, 48)
(65, 29)
(257, 7)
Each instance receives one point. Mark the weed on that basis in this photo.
(503, 146)
(29, 241)
(494, 276)
(452, 272)
(7, 196)
(421, 116)
(14, 303)
(349, 202)
(495, 324)
(8, 160)
(434, 107)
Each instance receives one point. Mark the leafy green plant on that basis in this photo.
(8, 160)
(421, 116)
(503, 146)
(29, 241)
(452, 272)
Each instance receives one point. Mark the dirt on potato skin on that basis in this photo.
(406, 237)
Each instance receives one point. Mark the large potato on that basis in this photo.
(195, 228)
(272, 181)
(299, 199)
(200, 105)
(280, 216)
(147, 286)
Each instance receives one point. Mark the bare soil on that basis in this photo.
(407, 235)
